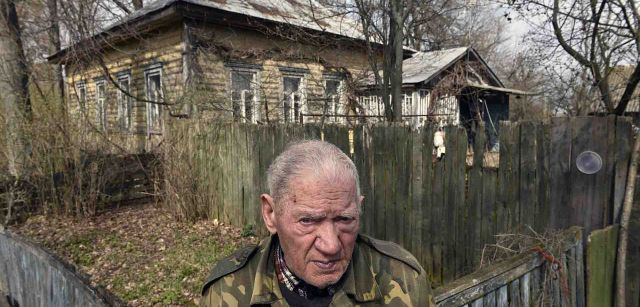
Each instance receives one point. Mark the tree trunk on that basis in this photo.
(623, 236)
(54, 47)
(396, 29)
(14, 91)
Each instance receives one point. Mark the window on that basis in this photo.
(101, 104)
(153, 83)
(446, 110)
(373, 105)
(293, 98)
(423, 102)
(124, 102)
(81, 91)
(332, 94)
(244, 96)
(407, 104)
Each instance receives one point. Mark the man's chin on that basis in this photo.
(324, 281)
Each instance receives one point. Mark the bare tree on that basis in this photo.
(598, 35)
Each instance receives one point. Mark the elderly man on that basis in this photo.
(315, 256)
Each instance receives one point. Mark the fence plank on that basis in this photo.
(438, 204)
(588, 196)
(528, 193)
(459, 188)
(622, 157)
(580, 281)
(476, 222)
(543, 178)
(560, 171)
(415, 212)
(503, 297)
(489, 188)
(633, 255)
(601, 255)
(490, 299)
(449, 271)
(509, 178)
(428, 236)
(525, 289)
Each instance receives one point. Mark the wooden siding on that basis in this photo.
(163, 49)
(269, 53)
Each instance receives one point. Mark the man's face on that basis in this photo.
(317, 226)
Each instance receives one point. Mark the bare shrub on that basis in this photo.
(550, 245)
(70, 167)
(186, 190)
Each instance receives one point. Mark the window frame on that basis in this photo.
(125, 108)
(254, 70)
(81, 95)
(336, 106)
(101, 104)
(153, 128)
(303, 108)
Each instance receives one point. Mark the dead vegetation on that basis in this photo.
(550, 245)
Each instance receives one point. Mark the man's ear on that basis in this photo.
(268, 212)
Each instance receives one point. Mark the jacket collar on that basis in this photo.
(360, 282)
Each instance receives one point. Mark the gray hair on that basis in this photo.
(304, 158)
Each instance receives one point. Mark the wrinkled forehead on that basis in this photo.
(330, 184)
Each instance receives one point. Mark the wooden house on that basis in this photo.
(448, 87)
(618, 78)
(244, 60)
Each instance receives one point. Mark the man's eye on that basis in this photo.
(306, 221)
(345, 219)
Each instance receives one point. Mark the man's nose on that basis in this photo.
(327, 241)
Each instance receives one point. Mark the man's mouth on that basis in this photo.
(326, 265)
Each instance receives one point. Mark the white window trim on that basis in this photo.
(302, 90)
(101, 108)
(337, 107)
(255, 87)
(125, 107)
(82, 101)
(149, 73)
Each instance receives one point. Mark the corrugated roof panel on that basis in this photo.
(425, 65)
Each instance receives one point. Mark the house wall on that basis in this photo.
(194, 60)
(163, 49)
(218, 46)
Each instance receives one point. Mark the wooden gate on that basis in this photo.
(534, 278)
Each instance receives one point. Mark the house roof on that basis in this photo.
(424, 66)
(308, 14)
(303, 13)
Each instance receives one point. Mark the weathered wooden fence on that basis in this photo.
(528, 279)
(30, 276)
(443, 211)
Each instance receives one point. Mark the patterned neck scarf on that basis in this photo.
(295, 284)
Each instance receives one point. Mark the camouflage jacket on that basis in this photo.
(380, 273)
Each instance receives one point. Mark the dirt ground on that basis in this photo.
(139, 253)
